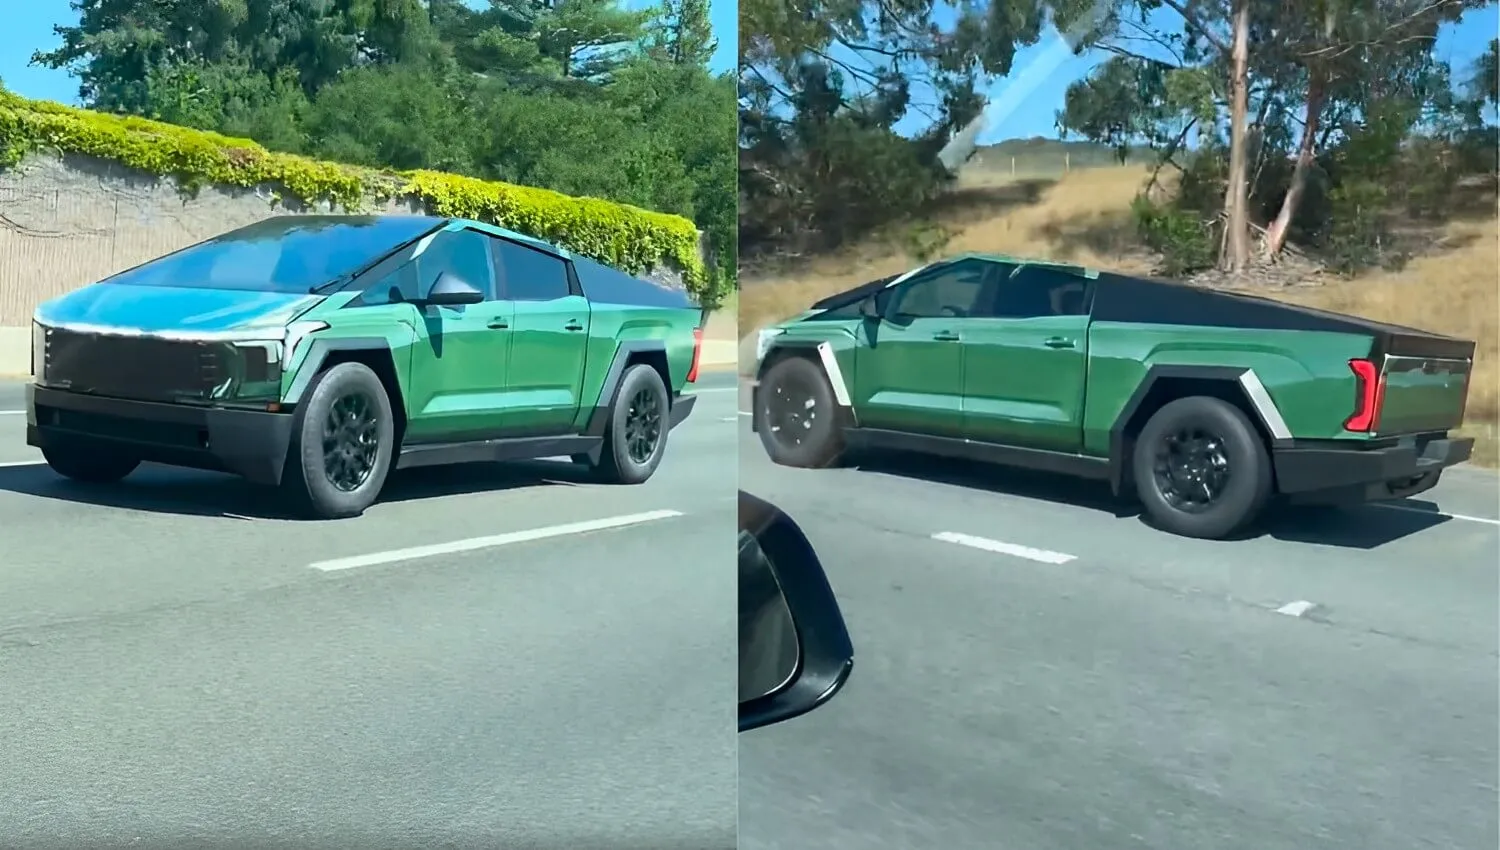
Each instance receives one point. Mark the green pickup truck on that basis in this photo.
(317, 353)
(1205, 404)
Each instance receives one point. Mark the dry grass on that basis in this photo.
(1083, 218)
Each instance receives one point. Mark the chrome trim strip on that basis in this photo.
(835, 374)
(1270, 416)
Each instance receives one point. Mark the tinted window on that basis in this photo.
(463, 253)
(528, 274)
(281, 254)
(945, 292)
(1039, 291)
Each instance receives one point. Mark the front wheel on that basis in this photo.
(343, 444)
(90, 464)
(1201, 469)
(795, 415)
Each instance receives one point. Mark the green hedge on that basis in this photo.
(626, 237)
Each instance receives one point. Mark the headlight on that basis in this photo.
(763, 341)
(38, 352)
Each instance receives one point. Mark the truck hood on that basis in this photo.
(170, 311)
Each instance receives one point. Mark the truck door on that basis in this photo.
(458, 370)
(908, 373)
(1027, 361)
(549, 340)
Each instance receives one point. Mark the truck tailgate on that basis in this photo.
(1423, 394)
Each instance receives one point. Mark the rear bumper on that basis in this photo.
(682, 406)
(249, 443)
(1366, 474)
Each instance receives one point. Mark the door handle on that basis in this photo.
(497, 324)
(573, 325)
(945, 336)
(1058, 342)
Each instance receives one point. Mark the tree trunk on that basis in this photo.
(1276, 235)
(1236, 196)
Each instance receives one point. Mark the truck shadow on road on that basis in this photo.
(185, 492)
(1355, 527)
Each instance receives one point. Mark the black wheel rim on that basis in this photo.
(351, 441)
(642, 426)
(1192, 469)
(791, 411)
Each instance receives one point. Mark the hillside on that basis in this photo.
(1084, 217)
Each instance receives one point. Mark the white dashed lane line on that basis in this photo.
(1045, 556)
(471, 544)
(1297, 609)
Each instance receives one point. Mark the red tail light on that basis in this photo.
(692, 377)
(1369, 393)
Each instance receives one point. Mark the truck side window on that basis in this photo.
(947, 292)
(464, 253)
(528, 274)
(1037, 291)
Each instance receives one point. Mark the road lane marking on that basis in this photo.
(9, 463)
(744, 413)
(474, 543)
(1296, 609)
(1464, 517)
(1043, 555)
(12, 413)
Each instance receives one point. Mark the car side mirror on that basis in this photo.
(450, 290)
(867, 308)
(795, 652)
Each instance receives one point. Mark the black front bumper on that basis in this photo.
(250, 443)
(1367, 473)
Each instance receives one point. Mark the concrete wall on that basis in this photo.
(67, 222)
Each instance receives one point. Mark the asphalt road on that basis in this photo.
(1036, 671)
(177, 671)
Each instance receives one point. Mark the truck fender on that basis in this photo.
(599, 417)
(1242, 378)
(318, 351)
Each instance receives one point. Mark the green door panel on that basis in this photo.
(1023, 381)
(909, 376)
(548, 352)
(458, 371)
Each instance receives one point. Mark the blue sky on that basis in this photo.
(1034, 89)
(28, 28)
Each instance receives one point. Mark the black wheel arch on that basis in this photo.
(1167, 383)
(653, 353)
(373, 352)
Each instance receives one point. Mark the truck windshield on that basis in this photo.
(291, 254)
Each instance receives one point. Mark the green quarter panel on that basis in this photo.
(1305, 373)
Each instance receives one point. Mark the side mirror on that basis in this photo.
(867, 308)
(450, 290)
(795, 652)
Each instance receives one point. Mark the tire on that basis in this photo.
(639, 419)
(308, 481)
(90, 464)
(1245, 490)
(820, 443)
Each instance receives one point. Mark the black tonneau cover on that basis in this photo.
(1121, 298)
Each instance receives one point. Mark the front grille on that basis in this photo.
(132, 367)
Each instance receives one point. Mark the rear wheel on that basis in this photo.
(1201, 468)
(636, 439)
(343, 444)
(90, 463)
(796, 415)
